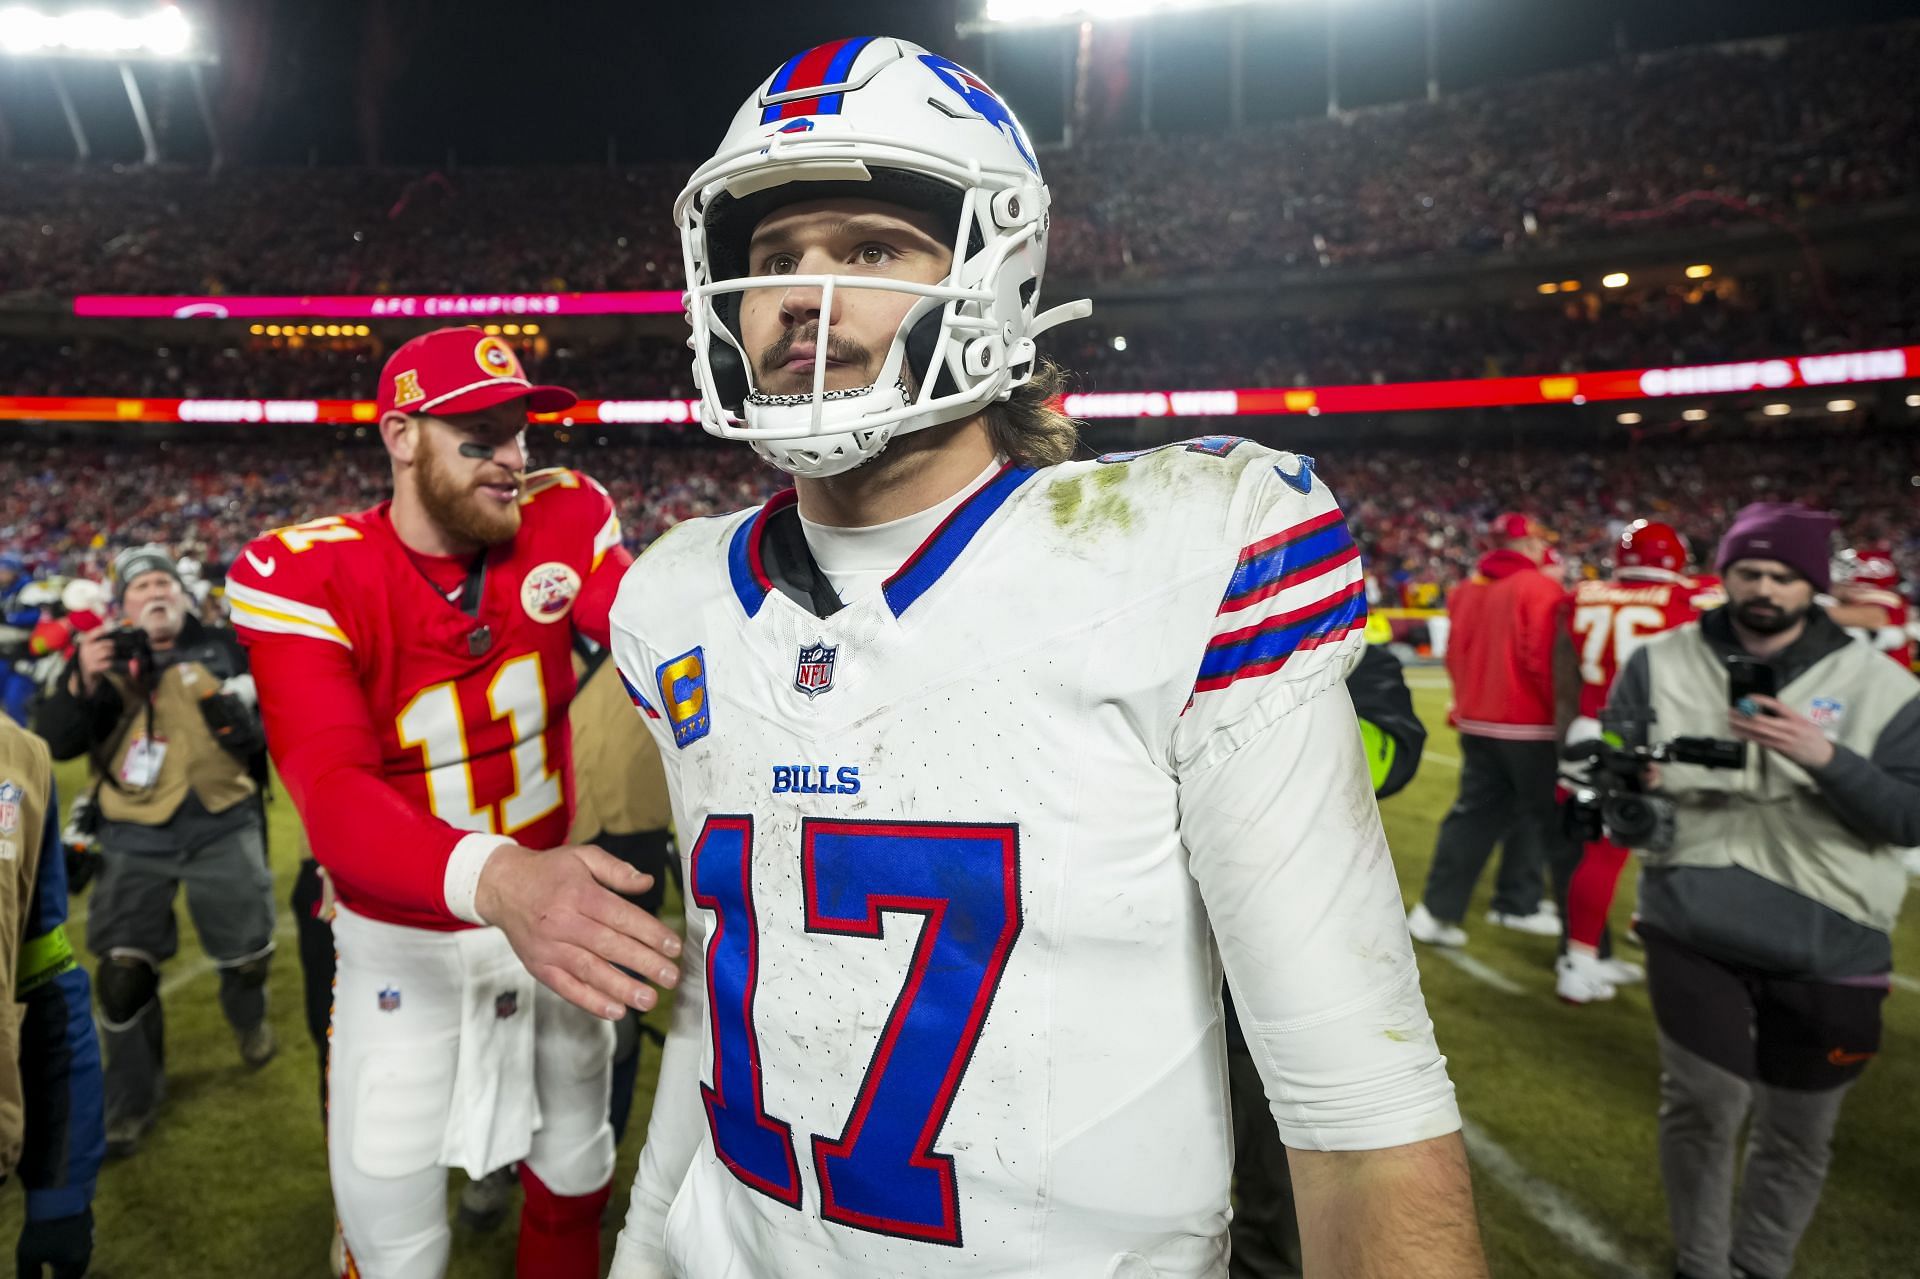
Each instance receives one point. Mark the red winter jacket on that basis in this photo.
(1506, 621)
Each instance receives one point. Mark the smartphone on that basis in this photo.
(1746, 678)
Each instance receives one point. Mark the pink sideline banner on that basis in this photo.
(433, 306)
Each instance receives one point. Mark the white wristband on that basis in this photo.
(462, 880)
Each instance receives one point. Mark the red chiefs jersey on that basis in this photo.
(402, 723)
(1891, 639)
(1610, 620)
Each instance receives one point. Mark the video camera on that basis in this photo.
(1612, 800)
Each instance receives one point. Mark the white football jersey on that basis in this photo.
(962, 860)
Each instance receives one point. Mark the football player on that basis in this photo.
(1868, 602)
(414, 663)
(976, 754)
(1649, 592)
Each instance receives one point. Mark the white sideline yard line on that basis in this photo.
(1475, 969)
(1903, 982)
(202, 966)
(1552, 1209)
(1440, 757)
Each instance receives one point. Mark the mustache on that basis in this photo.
(839, 349)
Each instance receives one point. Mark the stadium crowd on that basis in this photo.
(1419, 514)
(1630, 328)
(1695, 137)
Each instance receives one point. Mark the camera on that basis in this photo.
(1612, 800)
(131, 648)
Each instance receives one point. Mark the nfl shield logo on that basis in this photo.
(1826, 712)
(505, 1005)
(10, 797)
(814, 675)
(389, 998)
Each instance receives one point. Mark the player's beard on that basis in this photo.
(1763, 618)
(460, 509)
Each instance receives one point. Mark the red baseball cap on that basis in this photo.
(461, 370)
(1513, 527)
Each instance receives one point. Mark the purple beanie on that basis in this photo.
(1797, 536)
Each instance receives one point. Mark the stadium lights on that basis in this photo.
(1699, 271)
(1119, 341)
(1777, 410)
(163, 35)
(1841, 406)
(1569, 286)
(1913, 401)
(1040, 13)
(1628, 419)
(531, 330)
(1614, 279)
(1694, 415)
(1549, 287)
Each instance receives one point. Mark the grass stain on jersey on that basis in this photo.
(1091, 502)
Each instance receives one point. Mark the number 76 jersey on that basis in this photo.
(1610, 620)
(957, 855)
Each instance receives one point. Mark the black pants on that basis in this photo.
(1266, 1232)
(1506, 797)
(651, 853)
(316, 964)
(1739, 1046)
(131, 917)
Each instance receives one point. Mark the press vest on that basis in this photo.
(1770, 817)
(191, 760)
(26, 784)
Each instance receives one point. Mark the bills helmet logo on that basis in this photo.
(814, 674)
(982, 101)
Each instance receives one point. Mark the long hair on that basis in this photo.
(1030, 428)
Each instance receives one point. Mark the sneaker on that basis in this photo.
(258, 1045)
(1622, 972)
(1580, 979)
(484, 1203)
(1542, 923)
(1425, 928)
(123, 1135)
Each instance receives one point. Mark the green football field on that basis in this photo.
(232, 1183)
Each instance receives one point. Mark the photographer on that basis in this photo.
(164, 710)
(1767, 914)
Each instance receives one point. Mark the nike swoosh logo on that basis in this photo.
(1841, 1057)
(263, 567)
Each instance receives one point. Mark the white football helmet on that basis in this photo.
(882, 119)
